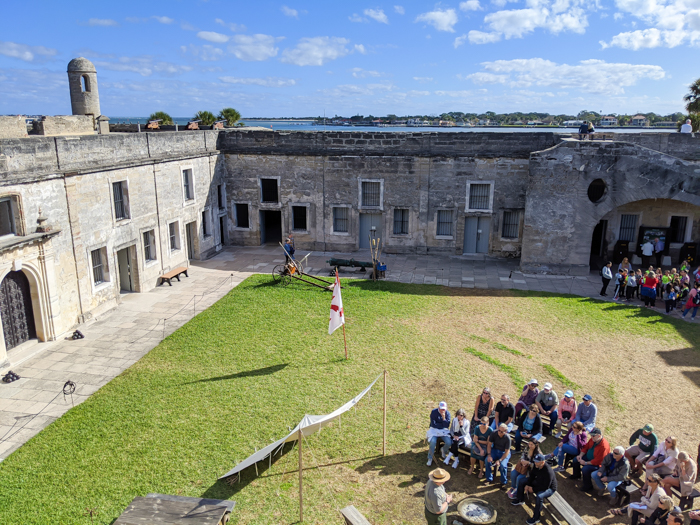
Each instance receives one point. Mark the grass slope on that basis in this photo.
(242, 372)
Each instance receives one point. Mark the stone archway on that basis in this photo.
(16, 309)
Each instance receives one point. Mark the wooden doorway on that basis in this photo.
(16, 310)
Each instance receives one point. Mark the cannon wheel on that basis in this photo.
(300, 268)
(279, 273)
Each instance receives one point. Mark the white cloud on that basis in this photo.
(357, 18)
(213, 36)
(316, 51)
(618, 16)
(455, 94)
(288, 11)
(398, 9)
(423, 79)
(592, 76)
(470, 5)
(377, 14)
(360, 49)
(187, 26)
(236, 28)
(143, 65)
(164, 19)
(254, 48)
(206, 52)
(479, 37)
(440, 19)
(460, 41)
(25, 52)
(103, 22)
(358, 72)
(553, 15)
(267, 82)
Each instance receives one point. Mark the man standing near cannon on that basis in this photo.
(289, 248)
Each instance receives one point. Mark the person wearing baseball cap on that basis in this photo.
(439, 428)
(587, 412)
(566, 413)
(436, 499)
(527, 398)
(548, 401)
(639, 454)
(542, 483)
(590, 458)
(612, 471)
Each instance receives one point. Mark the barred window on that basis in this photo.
(511, 224)
(299, 218)
(676, 232)
(242, 216)
(400, 221)
(98, 275)
(149, 245)
(371, 195)
(340, 220)
(121, 210)
(628, 227)
(444, 222)
(479, 196)
(187, 184)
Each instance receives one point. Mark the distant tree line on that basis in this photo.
(207, 118)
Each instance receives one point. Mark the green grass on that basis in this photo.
(245, 370)
(556, 374)
(499, 346)
(509, 370)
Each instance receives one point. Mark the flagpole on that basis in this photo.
(345, 341)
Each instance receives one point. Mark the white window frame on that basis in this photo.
(393, 211)
(106, 274)
(234, 214)
(185, 200)
(349, 208)
(292, 205)
(467, 209)
(127, 201)
(452, 229)
(688, 227)
(178, 237)
(360, 206)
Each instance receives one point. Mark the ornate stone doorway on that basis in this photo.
(16, 310)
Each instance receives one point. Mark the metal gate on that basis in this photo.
(16, 310)
(476, 234)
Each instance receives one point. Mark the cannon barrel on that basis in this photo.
(349, 262)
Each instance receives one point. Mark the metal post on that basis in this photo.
(384, 439)
(301, 466)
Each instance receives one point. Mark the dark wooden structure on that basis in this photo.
(164, 509)
(353, 516)
(173, 274)
(564, 509)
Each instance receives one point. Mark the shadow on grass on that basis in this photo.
(268, 370)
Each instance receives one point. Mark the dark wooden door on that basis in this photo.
(16, 310)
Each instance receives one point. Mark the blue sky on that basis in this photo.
(272, 59)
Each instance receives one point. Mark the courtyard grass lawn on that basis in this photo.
(248, 368)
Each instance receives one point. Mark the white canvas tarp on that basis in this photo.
(309, 425)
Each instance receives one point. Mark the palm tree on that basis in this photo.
(230, 115)
(206, 117)
(693, 98)
(162, 116)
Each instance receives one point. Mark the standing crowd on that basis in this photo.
(489, 433)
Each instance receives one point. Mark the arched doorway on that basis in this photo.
(16, 310)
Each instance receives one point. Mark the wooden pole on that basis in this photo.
(384, 439)
(301, 466)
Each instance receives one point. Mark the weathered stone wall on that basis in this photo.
(13, 127)
(64, 125)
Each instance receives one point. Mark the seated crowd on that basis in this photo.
(486, 436)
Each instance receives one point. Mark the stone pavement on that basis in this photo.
(117, 339)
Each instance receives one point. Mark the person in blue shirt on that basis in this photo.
(586, 413)
(289, 248)
(439, 428)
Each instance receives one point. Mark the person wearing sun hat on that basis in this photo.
(436, 499)
(587, 412)
(639, 454)
(548, 401)
(566, 412)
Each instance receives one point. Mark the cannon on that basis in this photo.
(352, 263)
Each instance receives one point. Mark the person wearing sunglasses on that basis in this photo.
(612, 472)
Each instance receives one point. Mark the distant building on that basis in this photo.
(607, 121)
(639, 120)
(535, 123)
(572, 123)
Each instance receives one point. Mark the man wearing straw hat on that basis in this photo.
(436, 499)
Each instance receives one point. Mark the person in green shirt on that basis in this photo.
(436, 499)
(639, 454)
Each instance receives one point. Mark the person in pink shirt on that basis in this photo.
(566, 411)
(693, 302)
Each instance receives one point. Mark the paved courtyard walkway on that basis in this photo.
(117, 339)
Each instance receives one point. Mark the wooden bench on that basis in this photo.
(353, 516)
(173, 274)
(624, 494)
(166, 509)
(686, 502)
(564, 509)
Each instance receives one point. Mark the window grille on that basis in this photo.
(371, 194)
(242, 216)
(400, 221)
(299, 218)
(119, 202)
(98, 275)
(628, 227)
(444, 222)
(148, 246)
(340, 220)
(677, 230)
(511, 224)
(187, 184)
(269, 190)
(479, 196)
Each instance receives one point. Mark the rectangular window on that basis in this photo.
(220, 196)
(299, 218)
(205, 224)
(400, 221)
(7, 218)
(628, 227)
(479, 196)
(269, 190)
(121, 208)
(174, 230)
(188, 190)
(444, 222)
(677, 230)
(340, 220)
(371, 195)
(98, 275)
(149, 245)
(242, 216)
(511, 224)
